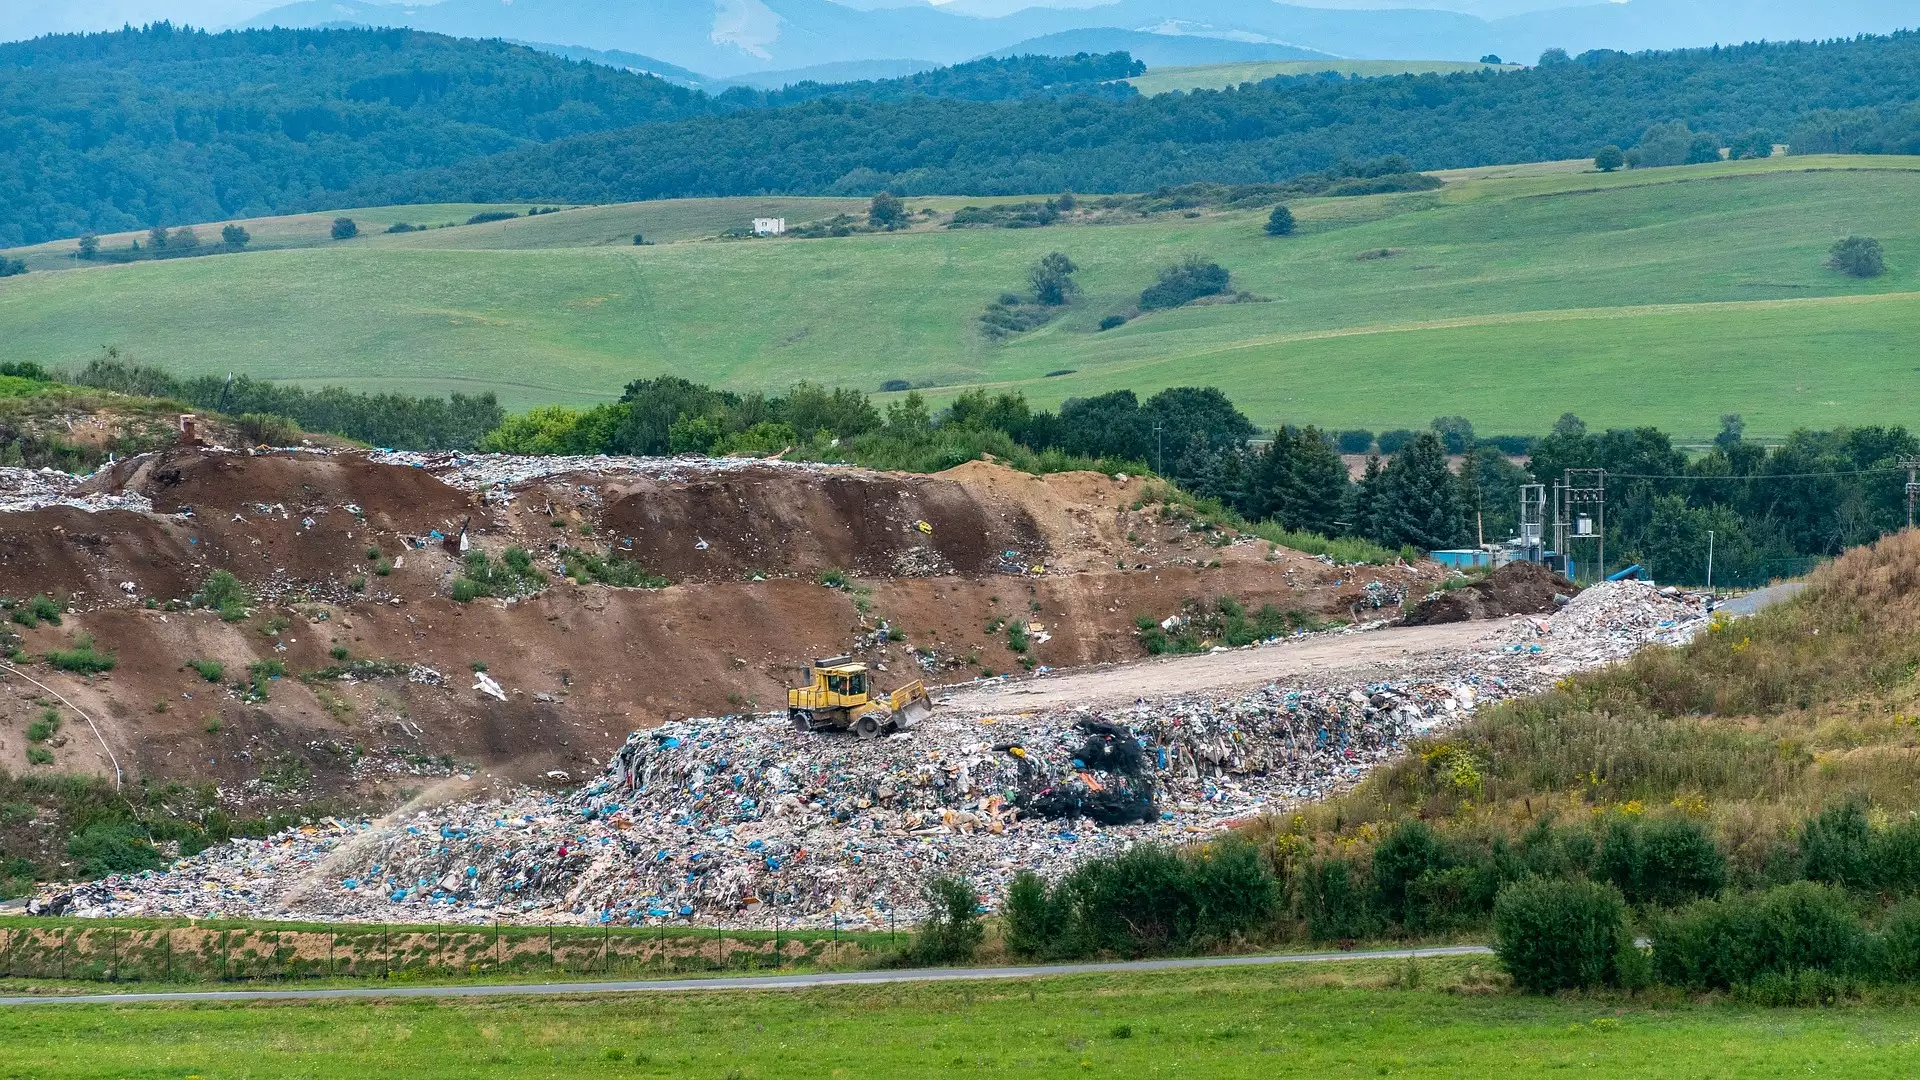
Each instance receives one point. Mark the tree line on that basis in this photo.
(164, 125)
(1251, 133)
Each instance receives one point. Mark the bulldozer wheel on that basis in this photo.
(867, 728)
(800, 720)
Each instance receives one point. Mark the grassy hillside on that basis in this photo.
(1664, 296)
(1220, 76)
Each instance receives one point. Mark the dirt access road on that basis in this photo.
(1384, 651)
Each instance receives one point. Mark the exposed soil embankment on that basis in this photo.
(930, 577)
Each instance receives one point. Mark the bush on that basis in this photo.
(1280, 222)
(235, 236)
(952, 931)
(266, 429)
(113, 848)
(485, 216)
(1900, 944)
(1407, 853)
(1235, 890)
(1392, 442)
(895, 386)
(1895, 855)
(1336, 903)
(45, 727)
(345, 229)
(514, 575)
(39, 755)
(223, 593)
(403, 227)
(1112, 321)
(1189, 280)
(1355, 441)
(1663, 862)
(1857, 256)
(1836, 847)
(31, 613)
(211, 670)
(1029, 920)
(83, 658)
(1717, 944)
(1610, 159)
(1556, 934)
(585, 566)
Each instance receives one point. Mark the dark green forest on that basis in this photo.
(167, 126)
(1249, 134)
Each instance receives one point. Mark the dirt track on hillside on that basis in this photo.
(1346, 654)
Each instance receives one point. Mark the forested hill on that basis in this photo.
(165, 125)
(1563, 108)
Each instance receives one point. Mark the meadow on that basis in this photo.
(1659, 296)
(1162, 80)
(1439, 1018)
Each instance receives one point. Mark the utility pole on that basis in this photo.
(1709, 561)
(1912, 465)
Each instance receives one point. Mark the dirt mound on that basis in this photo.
(780, 522)
(1518, 588)
(63, 550)
(390, 496)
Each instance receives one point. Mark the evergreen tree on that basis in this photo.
(1300, 482)
(1419, 499)
(1362, 499)
(1280, 222)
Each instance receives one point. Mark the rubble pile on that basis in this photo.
(1518, 588)
(485, 472)
(36, 489)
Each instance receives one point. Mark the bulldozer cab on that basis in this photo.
(838, 683)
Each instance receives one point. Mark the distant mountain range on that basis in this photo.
(771, 41)
(731, 38)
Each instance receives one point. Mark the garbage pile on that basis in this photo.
(484, 472)
(746, 819)
(36, 489)
(1518, 588)
(1610, 620)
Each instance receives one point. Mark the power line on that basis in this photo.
(1756, 476)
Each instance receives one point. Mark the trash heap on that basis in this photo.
(36, 489)
(746, 819)
(1611, 620)
(485, 472)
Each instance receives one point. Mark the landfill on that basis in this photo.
(24, 490)
(745, 819)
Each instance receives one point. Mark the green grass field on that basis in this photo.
(1663, 296)
(1220, 76)
(1351, 1021)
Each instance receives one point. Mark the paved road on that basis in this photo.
(1761, 599)
(1233, 669)
(770, 982)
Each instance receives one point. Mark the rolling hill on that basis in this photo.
(1659, 296)
(1162, 80)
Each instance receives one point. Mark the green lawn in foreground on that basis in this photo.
(1220, 76)
(1341, 1022)
(1666, 296)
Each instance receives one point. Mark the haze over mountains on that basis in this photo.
(723, 38)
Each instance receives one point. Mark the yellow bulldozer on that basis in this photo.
(842, 698)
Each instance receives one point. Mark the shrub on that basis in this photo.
(895, 386)
(1355, 441)
(1031, 922)
(1900, 944)
(1895, 855)
(1392, 442)
(1235, 890)
(112, 848)
(485, 216)
(514, 575)
(403, 227)
(1663, 862)
(235, 236)
(1610, 159)
(1280, 222)
(39, 755)
(1717, 944)
(266, 429)
(83, 658)
(345, 229)
(31, 613)
(952, 931)
(1189, 280)
(1110, 322)
(210, 670)
(1558, 934)
(223, 593)
(1857, 256)
(1836, 847)
(44, 727)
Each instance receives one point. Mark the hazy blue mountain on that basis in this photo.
(727, 38)
(1157, 50)
(844, 71)
(616, 58)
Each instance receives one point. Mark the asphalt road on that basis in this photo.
(770, 982)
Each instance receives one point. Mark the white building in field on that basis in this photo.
(769, 226)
